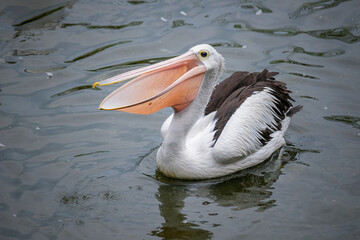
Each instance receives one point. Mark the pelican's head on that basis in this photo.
(211, 59)
(171, 83)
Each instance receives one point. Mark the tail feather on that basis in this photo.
(294, 110)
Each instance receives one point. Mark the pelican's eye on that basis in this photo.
(204, 54)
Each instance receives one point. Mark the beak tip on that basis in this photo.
(95, 84)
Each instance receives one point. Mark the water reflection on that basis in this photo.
(136, 2)
(49, 70)
(74, 89)
(251, 188)
(137, 63)
(40, 19)
(310, 7)
(41, 15)
(227, 44)
(110, 27)
(343, 34)
(176, 226)
(290, 61)
(329, 53)
(29, 52)
(349, 120)
(179, 23)
(95, 51)
(255, 6)
(309, 97)
(303, 75)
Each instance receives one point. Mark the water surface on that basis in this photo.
(69, 171)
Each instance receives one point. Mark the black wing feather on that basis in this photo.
(228, 96)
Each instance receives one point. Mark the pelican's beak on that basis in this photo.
(171, 83)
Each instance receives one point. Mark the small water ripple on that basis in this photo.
(73, 199)
(227, 44)
(347, 119)
(303, 75)
(180, 23)
(29, 52)
(137, 2)
(290, 61)
(343, 34)
(257, 6)
(131, 64)
(110, 27)
(311, 7)
(90, 153)
(330, 53)
(309, 97)
(41, 15)
(95, 51)
(74, 89)
(48, 70)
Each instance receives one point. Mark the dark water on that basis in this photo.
(69, 171)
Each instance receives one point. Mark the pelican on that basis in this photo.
(216, 129)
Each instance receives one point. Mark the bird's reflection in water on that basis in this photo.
(250, 188)
(175, 225)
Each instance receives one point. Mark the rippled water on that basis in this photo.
(69, 171)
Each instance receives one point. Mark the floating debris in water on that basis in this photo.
(2, 145)
(258, 12)
(325, 108)
(183, 13)
(49, 74)
(163, 19)
(244, 46)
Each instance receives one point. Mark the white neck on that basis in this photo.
(184, 120)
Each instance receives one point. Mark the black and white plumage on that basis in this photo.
(215, 130)
(228, 96)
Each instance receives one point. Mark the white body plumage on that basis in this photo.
(237, 147)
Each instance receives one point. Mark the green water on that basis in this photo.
(69, 171)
